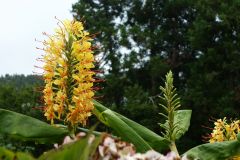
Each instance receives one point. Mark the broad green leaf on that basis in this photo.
(214, 151)
(27, 128)
(6, 154)
(89, 131)
(155, 141)
(95, 144)
(182, 120)
(23, 156)
(79, 150)
(9, 155)
(125, 131)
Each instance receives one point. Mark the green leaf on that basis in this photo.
(9, 155)
(6, 154)
(88, 131)
(214, 151)
(79, 150)
(156, 142)
(27, 128)
(23, 156)
(126, 132)
(95, 144)
(182, 120)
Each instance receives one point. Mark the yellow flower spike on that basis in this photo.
(224, 131)
(67, 72)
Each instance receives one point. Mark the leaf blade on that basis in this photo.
(182, 120)
(125, 131)
(155, 141)
(26, 128)
(214, 151)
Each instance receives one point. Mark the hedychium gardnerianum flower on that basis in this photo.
(225, 131)
(68, 75)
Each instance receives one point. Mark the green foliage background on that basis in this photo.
(198, 40)
(21, 94)
(139, 41)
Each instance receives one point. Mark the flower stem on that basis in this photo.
(174, 148)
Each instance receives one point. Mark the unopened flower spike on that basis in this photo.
(68, 75)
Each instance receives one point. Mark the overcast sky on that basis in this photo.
(21, 22)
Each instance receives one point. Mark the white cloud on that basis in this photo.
(22, 22)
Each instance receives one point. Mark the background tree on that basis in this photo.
(213, 85)
(19, 93)
(141, 40)
(100, 19)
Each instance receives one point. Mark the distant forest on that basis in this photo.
(22, 94)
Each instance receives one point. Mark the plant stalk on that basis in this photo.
(174, 148)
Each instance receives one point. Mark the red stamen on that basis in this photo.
(94, 35)
(37, 74)
(39, 108)
(207, 127)
(38, 40)
(97, 97)
(97, 88)
(212, 119)
(95, 47)
(99, 80)
(40, 60)
(98, 71)
(40, 49)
